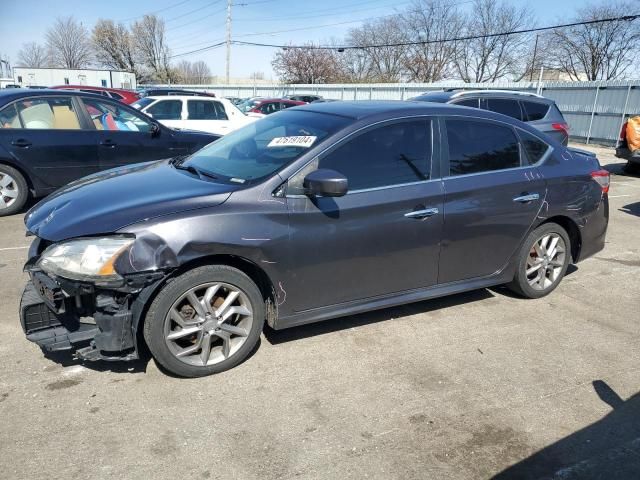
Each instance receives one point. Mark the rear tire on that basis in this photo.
(542, 261)
(14, 191)
(205, 321)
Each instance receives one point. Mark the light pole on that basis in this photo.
(228, 39)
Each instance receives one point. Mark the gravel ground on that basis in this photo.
(469, 386)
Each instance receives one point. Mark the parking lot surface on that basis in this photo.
(469, 386)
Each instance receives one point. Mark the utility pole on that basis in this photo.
(228, 38)
(533, 62)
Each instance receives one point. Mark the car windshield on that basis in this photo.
(248, 105)
(261, 148)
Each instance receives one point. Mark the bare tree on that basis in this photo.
(385, 63)
(306, 65)
(600, 51)
(200, 72)
(33, 55)
(492, 57)
(430, 21)
(68, 41)
(154, 53)
(185, 71)
(113, 45)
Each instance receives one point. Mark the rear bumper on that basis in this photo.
(625, 153)
(98, 325)
(594, 230)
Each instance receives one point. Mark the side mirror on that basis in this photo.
(155, 130)
(325, 183)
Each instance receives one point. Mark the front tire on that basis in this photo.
(542, 261)
(206, 321)
(14, 191)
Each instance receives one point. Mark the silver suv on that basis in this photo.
(542, 113)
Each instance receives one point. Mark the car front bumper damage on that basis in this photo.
(98, 324)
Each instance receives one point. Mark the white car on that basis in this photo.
(212, 115)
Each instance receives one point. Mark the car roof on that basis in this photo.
(9, 94)
(447, 95)
(91, 87)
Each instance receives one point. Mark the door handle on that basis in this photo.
(108, 143)
(427, 212)
(526, 198)
(21, 142)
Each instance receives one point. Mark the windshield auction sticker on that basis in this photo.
(304, 142)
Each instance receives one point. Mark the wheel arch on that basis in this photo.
(23, 172)
(246, 266)
(572, 230)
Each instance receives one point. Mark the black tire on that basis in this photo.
(20, 184)
(520, 283)
(154, 326)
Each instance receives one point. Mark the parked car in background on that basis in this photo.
(266, 106)
(235, 100)
(542, 113)
(213, 115)
(161, 92)
(316, 212)
(325, 100)
(628, 145)
(303, 97)
(120, 94)
(49, 138)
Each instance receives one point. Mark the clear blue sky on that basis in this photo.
(194, 24)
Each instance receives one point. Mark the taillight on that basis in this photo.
(602, 178)
(563, 127)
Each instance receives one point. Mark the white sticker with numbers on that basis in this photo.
(302, 141)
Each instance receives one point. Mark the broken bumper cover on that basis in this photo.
(97, 324)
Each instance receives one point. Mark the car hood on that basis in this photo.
(108, 201)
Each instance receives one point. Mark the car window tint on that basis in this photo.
(107, 116)
(533, 146)
(270, 107)
(166, 110)
(388, 155)
(535, 110)
(480, 147)
(469, 102)
(504, 106)
(55, 113)
(205, 110)
(9, 117)
(284, 105)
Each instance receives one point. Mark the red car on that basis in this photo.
(121, 94)
(265, 106)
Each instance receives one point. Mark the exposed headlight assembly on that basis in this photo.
(86, 260)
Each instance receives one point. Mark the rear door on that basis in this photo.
(492, 196)
(123, 136)
(207, 116)
(51, 141)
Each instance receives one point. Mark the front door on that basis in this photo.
(492, 197)
(50, 141)
(382, 237)
(125, 137)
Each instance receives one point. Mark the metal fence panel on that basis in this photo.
(594, 111)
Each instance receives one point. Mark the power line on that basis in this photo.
(209, 47)
(196, 20)
(155, 11)
(446, 40)
(192, 11)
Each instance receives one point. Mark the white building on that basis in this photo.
(48, 77)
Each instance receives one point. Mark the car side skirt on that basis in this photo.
(386, 301)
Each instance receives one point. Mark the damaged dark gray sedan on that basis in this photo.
(316, 212)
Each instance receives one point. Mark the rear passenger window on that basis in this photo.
(9, 117)
(205, 110)
(533, 146)
(511, 108)
(392, 154)
(476, 147)
(53, 113)
(166, 110)
(535, 111)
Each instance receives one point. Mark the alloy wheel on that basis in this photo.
(208, 324)
(8, 190)
(545, 262)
